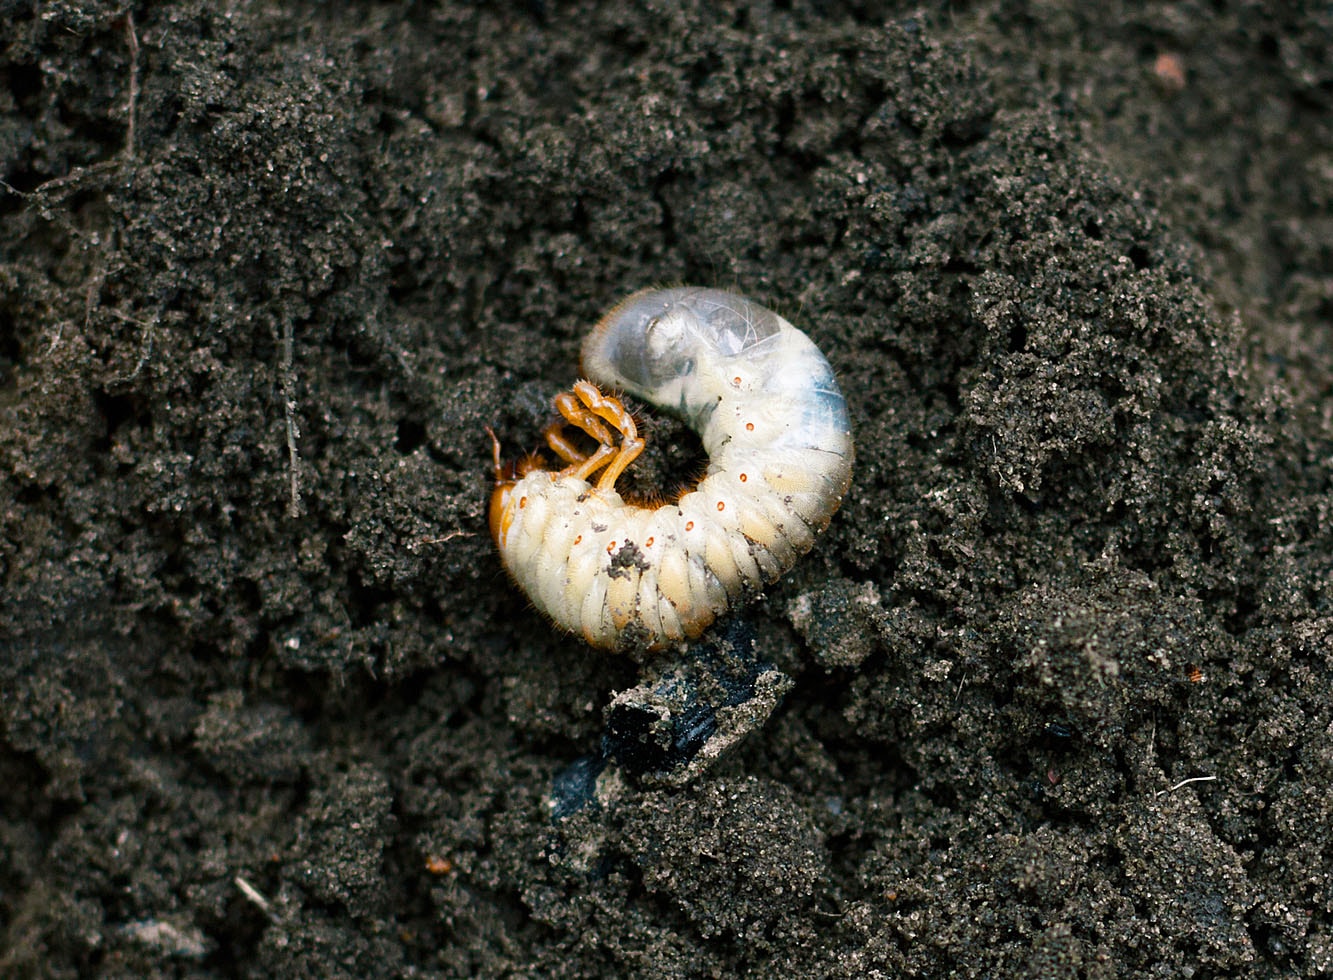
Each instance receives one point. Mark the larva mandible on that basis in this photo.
(773, 422)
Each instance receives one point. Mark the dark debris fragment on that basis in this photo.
(680, 720)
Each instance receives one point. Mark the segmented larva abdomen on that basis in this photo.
(774, 425)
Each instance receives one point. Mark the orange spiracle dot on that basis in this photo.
(744, 478)
(689, 525)
(749, 426)
(721, 505)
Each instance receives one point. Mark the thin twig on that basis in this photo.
(441, 540)
(256, 896)
(132, 109)
(293, 430)
(1185, 782)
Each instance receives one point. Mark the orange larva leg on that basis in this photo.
(585, 470)
(575, 414)
(562, 447)
(572, 408)
(581, 465)
(628, 454)
(610, 410)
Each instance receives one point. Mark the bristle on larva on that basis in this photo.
(773, 422)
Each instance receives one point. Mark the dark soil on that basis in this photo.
(1063, 664)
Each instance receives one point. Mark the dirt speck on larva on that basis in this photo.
(1062, 665)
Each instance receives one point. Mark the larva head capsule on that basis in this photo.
(655, 342)
(500, 515)
(507, 476)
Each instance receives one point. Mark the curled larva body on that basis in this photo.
(773, 423)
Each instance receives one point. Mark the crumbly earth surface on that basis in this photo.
(1063, 664)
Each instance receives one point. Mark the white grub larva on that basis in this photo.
(761, 396)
